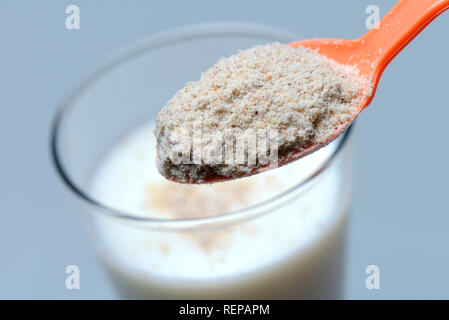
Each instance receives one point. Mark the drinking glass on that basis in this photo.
(128, 90)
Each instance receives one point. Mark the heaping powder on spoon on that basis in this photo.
(295, 93)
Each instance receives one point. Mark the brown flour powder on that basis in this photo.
(295, 92)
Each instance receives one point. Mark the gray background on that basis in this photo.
(400, 215)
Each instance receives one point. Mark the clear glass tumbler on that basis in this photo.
(297, 260)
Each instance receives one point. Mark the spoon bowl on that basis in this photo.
(369, 55)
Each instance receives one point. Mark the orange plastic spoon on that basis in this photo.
(370, 54)
(373, 51)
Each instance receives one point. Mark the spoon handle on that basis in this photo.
(397, 28)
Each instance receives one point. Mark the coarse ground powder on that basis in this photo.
(295, 92)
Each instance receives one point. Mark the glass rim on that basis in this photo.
(133, 51)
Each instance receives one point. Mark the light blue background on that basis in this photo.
(400, 219)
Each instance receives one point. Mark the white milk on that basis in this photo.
(292, 252)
